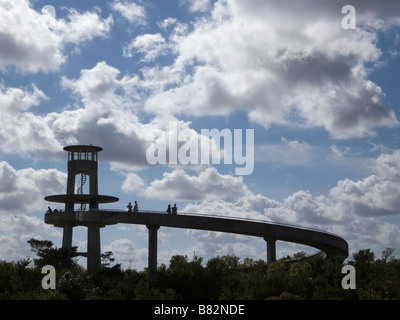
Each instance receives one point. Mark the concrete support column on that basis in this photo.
(152, 267)
(271, 249)
(69, 204)
(93, 249)
(93, 186)
(67, 238)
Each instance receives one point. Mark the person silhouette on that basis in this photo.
(135, 207)
(174, 209)
(129, 206)
(168, 209)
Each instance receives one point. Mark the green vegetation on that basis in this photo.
(225, 277)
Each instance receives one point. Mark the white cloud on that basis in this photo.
(167, 22)
(106, 118)
(209, 184)
(23, 226)
(125, 252)
(95, 84)
(210, 244)
(106, 113)
(373, 196)
(279, 64)
(14, 246)
(25, 40)
(20, 131)
(131, 11)
(34, 42)
(132, 183)
(376, 195)
(84, 26)
(24, 190)
(387, 166)
(150, 45)
(251, 206)
(14, 100)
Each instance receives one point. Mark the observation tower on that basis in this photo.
(82, 162)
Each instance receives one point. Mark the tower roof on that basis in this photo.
(82, 148)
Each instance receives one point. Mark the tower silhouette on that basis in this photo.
(82, 161)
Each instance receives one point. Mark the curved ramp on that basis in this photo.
(330, 244)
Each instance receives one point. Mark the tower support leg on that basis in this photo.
(93, 249)
(152, 267)
(271, 249)
(67, 238)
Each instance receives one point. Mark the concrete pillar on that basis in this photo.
(93, 183)
(69, 204)
(67, 238)
(152, 267)
(93, 249)
(93, 186)
(271, 249)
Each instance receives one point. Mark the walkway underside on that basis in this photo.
(328, 243)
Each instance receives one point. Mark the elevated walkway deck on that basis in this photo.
(328, 243)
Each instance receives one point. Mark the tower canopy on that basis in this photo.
(82, 152)
(83, 148)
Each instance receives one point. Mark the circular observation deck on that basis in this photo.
(81, 198)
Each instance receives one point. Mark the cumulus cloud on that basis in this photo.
(98, 83)
(32, 42)
(109, 115)
(84, 26)
(20, 130)
(106, 113)
(376, 195)
(23, 190)
(167, 23)
(132, 183)
(102, 117)
(387, 166)
(14, 100)
(373, 196)
(125, 252)
(131, 11)
(209, 184)
(150, 45)
(307, 76)
(279, 64)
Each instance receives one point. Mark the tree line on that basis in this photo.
(219, 278)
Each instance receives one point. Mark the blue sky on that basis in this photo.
(322, 101)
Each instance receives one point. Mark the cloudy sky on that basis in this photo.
(323, 102)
